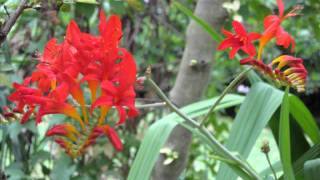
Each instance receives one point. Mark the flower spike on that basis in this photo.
(64, 70)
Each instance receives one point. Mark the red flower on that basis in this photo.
(118, 98)
(56, 86)
(240, 40)
(272, 28)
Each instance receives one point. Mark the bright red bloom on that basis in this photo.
(272, 28)
(56, 86)
(240, 40)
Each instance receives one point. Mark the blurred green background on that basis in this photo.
(154, 31)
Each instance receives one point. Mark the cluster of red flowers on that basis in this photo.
(57, 85)
(290, 70)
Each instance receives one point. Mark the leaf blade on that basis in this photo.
(255, 112)
(284, 138)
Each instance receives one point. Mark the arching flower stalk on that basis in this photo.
(285, 69)
(57, 86)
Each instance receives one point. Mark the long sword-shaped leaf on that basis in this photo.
(158, 133)
(259, 106)
(214, 34)
(284, 138)
(304, 118)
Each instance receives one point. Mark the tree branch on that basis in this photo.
(5, 29)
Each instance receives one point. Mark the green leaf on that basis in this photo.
(63, 168)
(312, 169)
(313, 152)
(304, 118)
(259, 106)
(284, 138)
(214, 34)
(158, 133)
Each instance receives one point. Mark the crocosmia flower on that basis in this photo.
(65, 70)
(239, 40)
(286, 70)
(273, 29)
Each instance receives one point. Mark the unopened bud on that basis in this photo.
(265, 148)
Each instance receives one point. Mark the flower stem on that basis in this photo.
(217, 146)
(233, 83)
(271, 167)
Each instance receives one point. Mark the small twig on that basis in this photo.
(143, 106)
(140, 106)
(233, 83)
(5, 29)
(6, 10)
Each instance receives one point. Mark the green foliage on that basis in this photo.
(257, 109)
(284, 138)
(155, 35)
(312, 169)
(159, 132)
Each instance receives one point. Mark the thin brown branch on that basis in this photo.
(5, 29)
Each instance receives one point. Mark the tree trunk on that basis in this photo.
(192, 80)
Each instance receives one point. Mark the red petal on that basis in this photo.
(280, 7)
(128, 70)
(103, 22)
(103, 100)
(114, 138)
(27, 115)
(239, 28)
(73, 33)
(57, 130)
(253, 36)
(51, 51)
(122, 115)
(250, 49)
(228, 34)
(229, 42)
(233, 52)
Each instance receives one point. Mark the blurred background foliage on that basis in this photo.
(155, 32)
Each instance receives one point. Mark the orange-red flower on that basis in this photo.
(56, 86)
(273, 29)
(239, 40)
(290, 70)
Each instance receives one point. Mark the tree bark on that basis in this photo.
(192, 79)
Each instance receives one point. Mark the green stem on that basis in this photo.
(271, 167)
(233, 83)
(225, 153)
